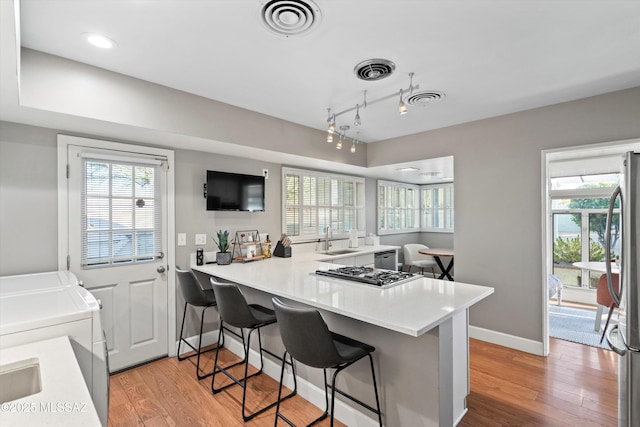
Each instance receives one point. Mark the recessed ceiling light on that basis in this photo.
(99, 40)
(408, 169)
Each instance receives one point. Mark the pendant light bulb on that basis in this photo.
(339, 144)
(402, 107)
(357, 121)
(329, 137)
(355, 141)
(331, 119)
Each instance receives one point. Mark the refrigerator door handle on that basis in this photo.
(616, 296)
(620, 351)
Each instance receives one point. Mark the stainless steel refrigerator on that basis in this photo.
(624, 335)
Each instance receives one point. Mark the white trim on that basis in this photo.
(582, 193)
(63, 227)
(547, 255)
(506, 340)
(142, 160)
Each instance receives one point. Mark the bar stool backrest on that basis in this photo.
(305, 336)
(232, 306)
(191, 289)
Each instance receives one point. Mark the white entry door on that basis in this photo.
(117, 221)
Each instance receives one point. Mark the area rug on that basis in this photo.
(576, 325)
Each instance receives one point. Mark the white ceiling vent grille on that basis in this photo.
(289, 17)
(425, 97)
(374, 69)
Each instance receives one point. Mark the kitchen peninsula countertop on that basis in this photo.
(419, 330)
(411, 308)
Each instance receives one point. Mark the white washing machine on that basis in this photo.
(35, 307)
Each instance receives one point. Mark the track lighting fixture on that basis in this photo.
(339, 143)
(331, 116)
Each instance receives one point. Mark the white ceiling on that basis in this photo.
(488, 57)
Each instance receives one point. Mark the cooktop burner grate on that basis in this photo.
(368, 275)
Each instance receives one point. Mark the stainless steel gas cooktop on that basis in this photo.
(369, 275)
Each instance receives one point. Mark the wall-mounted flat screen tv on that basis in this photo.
(234, 192)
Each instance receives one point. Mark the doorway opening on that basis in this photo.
(578, 183)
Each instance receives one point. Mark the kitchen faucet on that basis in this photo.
(327, 241)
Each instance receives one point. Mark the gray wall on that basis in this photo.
(28, 200)
(498, 184)
(29, 209)
(498, 238)
(191, 214)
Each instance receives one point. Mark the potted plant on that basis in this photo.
(223, 257)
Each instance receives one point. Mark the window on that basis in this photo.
(437, 207)
(314, 201)
(121, 220)
(403, 208)
(398, 207)
(579, 205)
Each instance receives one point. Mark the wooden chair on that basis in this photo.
(603, 299)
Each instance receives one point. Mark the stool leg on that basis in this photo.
(200, 377)
(184, 315)
(295, 389)
(375, 389)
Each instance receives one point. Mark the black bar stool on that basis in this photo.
(307, 340)
(235, 311)
(196, 296)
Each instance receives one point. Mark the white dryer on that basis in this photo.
(35, 307)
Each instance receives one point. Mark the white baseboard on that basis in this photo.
(313, 394)
(506, 340)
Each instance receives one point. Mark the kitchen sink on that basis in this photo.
(19, 379)
(340, 251)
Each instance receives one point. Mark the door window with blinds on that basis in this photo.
(313, 201)
(121, 213)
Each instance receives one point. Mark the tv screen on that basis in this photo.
(234, 192)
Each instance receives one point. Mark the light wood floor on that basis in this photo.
(574, 386)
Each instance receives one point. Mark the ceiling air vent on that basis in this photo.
(426, 97)
(289, 17)
(374, 69)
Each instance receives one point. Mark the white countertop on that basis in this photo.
(64, 399)
(412, 308)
